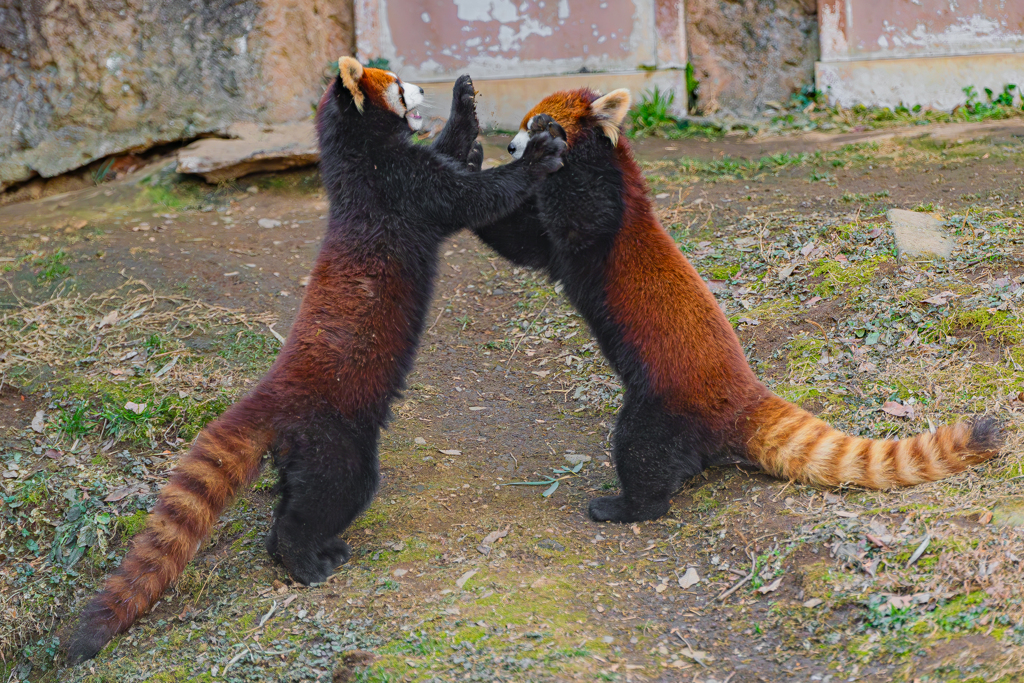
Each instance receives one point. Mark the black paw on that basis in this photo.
(618, 509)
(544, 123)
(464, 105)
(544, 153)
(476, 156)
(316, 565)
(270, 543)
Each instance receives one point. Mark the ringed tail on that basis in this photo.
(224, 458)
(790, 443)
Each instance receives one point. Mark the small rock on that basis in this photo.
(688, 579)
(268, 223)
(577, 458)
(813, 602)
(420, 441)
(919, 235)
(608, 640)
(549, 544)
(398, 573)
(37, 421)
(1009, 512)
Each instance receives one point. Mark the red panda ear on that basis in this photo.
(350, 71)
(610, 110)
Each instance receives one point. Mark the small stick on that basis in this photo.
(526, 333)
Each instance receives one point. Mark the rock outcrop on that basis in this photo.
(87, 79)
(748, 53)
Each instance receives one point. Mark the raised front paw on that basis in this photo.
(544, 153)
(544, 123)
(464, 95)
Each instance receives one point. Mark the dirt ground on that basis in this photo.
(471, 564)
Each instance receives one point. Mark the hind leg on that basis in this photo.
(328, 476)
(653, 455)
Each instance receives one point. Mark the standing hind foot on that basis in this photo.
(315, 564)
(620, 509)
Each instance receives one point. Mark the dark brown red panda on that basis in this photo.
(320, 408)
(691, 400)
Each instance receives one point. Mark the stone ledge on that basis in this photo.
(251, 149)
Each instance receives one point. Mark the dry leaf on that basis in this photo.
(37, 421)
(813, 602)
(465, 577)
(939, 299)
(897, 409)
(490, 538)
(773, 586)
(450, 452)
(108, 319)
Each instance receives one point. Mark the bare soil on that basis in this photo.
(559, 597)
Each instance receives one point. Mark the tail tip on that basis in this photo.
(93, 633)
(986, 437)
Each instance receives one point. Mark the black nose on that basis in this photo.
(421, 89)
(511, 148)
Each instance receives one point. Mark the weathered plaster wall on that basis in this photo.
(889, 29)
(434, 40)
(86, 79)
(890, 52)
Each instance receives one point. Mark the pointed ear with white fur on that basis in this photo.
(610, 111)
(350, 71)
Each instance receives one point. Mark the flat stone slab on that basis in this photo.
(1009, 512)
(919, 235)
(251, 148)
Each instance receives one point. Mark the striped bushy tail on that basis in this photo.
(790, 443)
(225, 457)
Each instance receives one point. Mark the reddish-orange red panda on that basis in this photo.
(691, 400)
(320, 408)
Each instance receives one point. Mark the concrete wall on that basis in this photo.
(744, 54)
(887, 52)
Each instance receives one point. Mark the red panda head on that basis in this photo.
(576, 111)
(381, 89)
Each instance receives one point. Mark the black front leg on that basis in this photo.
(462, 128)
(520, 237)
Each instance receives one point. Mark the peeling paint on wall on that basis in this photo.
(435, 39)
(887, 29)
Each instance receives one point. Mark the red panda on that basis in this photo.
(320, 408)
(691, 399)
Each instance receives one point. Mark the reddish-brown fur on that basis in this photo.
(691, 396)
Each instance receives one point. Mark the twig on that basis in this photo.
(526, 333)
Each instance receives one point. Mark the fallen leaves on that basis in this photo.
(939, 299)
(898, 409)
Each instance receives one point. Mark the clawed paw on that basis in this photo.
(476, 157)
(544, 123)
(619, 509)
(465, 93)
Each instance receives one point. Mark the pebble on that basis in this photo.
(268, 223)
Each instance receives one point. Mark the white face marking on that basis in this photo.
(413, 98)
(519, 142)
